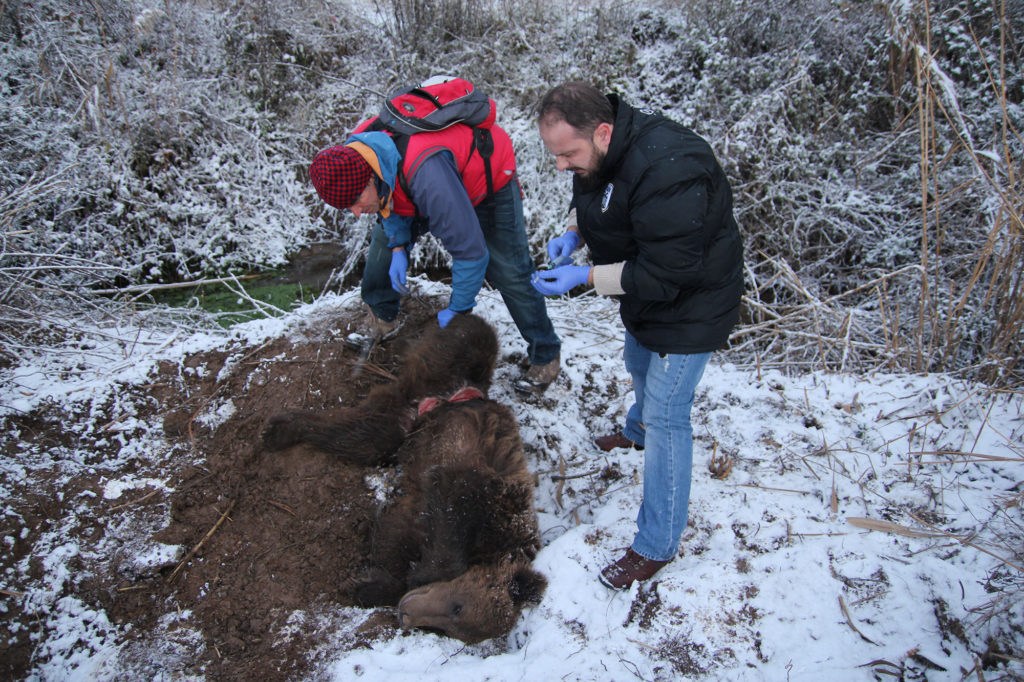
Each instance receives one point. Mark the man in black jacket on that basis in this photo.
(655, 209)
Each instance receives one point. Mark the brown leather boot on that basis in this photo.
(616, 440)
(378, 328)
(630, 568)
(538, 377)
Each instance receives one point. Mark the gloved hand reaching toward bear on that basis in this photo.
(399, 266)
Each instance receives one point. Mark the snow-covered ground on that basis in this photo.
(787, 571)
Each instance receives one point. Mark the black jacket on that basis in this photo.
(661, 203)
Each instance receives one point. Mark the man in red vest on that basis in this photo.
(439, 184)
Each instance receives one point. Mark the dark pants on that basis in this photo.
(508, 271)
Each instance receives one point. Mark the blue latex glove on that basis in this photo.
(445, 316)
(561, 248)
(399, 264)
(560, 280)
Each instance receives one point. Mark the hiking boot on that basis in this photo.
(627, 570)
(378, 328)
(370, 330)
(539, 377)
(616, 440)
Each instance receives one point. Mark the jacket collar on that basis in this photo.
(381, 153)
(621, 132)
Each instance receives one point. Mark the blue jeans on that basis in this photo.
(508, 271)
(659, 420)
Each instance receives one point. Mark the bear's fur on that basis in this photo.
(442, 362)
(458, 538)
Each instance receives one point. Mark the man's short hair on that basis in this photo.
(579, 104)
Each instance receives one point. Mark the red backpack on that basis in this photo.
(436, 104)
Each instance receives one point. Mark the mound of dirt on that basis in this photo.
(263, 534)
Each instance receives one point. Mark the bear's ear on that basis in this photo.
(526, 586)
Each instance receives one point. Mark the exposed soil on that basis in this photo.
(276, 533)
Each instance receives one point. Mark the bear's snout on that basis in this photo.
(404, 619)
(426, 607)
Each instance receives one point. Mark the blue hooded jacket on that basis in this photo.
(437, 189)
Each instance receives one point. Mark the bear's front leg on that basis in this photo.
(285, 430)
(354, 434)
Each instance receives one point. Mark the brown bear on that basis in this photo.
(458, 537)
(443, 361)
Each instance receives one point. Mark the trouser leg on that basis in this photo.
(509, 272)
(671, 382)
(375, 287)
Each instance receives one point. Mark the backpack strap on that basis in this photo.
(420, 92)
(402, 143)
(483, 143)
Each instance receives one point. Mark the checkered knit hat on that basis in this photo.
(340, 175)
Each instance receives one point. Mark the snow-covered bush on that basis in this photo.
(873, 148)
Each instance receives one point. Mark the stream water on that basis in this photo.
(306, 276)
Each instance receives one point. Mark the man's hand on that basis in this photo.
(399, 264)
(560, 280)
(445, 316)
(562, 247)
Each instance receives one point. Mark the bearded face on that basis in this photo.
(575, 152)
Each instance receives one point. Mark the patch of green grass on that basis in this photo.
(230, 307)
